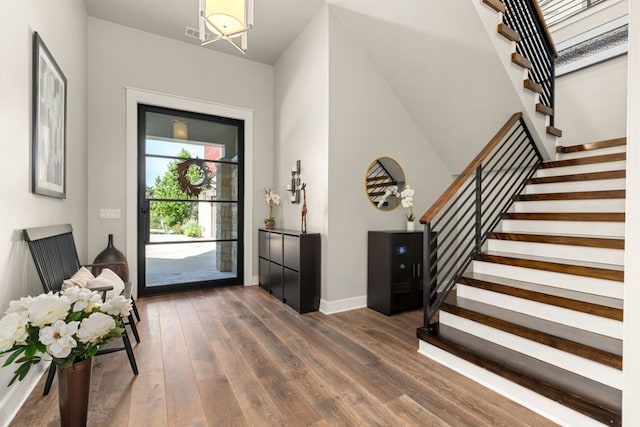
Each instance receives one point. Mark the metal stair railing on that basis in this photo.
(458, 223)
(535, 44)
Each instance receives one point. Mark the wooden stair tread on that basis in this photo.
(546, 295)
(379, 185)
(551, 130)
(574, 195)
(496, 5)
(532, 86)
(592, 145)
(584, 160)
(578, 268)
(508, 32)
(566, 216)
(600, 413)
(583, 343)
(377, 178)
(543, 109)
(579, 177)
(521, 61)
(591, 242)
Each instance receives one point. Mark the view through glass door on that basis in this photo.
(190, 208)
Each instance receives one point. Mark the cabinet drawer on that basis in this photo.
(275, 247)
(291, 282)
(291, 252)
(264, 274)
(275, 281)
(263, 244)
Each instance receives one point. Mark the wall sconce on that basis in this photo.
(294, 186)
(180, 130)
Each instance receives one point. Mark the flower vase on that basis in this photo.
(411, 226)
(73, 393)
(269, 224)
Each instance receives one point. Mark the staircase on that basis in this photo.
(538, 315)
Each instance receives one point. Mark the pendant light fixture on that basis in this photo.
(226, 20)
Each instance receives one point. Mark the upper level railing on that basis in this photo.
(556, 11)
(457, 224)
(535, 44)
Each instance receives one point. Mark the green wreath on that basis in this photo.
(203, 181)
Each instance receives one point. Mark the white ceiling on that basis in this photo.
(276, 22)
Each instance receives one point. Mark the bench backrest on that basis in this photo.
(54, 254)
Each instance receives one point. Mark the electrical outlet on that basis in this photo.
(109, 213)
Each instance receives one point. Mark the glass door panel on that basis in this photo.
(190, 186)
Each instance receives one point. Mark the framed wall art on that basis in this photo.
(49, 103)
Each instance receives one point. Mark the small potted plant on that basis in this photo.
(272, 199)
(406, 198)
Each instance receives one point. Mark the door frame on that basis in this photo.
(142, 183)
(135, 96)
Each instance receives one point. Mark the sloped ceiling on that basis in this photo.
(439, 61)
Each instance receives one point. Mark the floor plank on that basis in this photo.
(239, 357)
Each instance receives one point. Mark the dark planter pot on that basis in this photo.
(74, 383)
(112, 254)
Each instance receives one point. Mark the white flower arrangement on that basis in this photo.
(271, 198)
(65, 327)
(406, 199)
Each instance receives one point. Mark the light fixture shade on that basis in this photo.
(226, 17)
(226, 20)
(180, 130)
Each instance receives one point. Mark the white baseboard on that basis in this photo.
(18, 393)
(332, 307)
(537, 403)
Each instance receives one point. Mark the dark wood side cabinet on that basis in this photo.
(289, 267)
(394, 271)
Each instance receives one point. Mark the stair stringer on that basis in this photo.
(536, 122)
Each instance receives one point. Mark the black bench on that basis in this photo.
(56, 259)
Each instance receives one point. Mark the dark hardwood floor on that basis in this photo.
(237, 356)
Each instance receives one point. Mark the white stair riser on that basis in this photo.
(591, 153)
(576, 319)
(544, 406)
(589, 285)
(579, 228)
(570, 170)
(580, 253)
(567, 361)
(565, 187)
(574, 205)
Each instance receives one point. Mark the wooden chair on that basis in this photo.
(56, 259)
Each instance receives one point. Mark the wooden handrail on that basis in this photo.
(544, 25)
(469, 170)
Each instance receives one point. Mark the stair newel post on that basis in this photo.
(427, 279)
(479, 208)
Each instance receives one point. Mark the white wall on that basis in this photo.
(302, 129)
(123, 57)
(335, 112)
(585, 21)
(68, 45)
(367, 121)
(591, 103)
(631, 350)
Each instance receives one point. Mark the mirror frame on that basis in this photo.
(398, 182)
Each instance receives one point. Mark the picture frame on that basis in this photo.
(49, 122)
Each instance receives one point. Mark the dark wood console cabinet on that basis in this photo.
(289, 267)
(394, 271)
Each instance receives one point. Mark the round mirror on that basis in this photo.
(383, 176)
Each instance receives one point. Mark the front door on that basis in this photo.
(190, 210)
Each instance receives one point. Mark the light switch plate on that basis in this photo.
(109, 213)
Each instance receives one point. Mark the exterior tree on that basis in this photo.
(171, 214)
